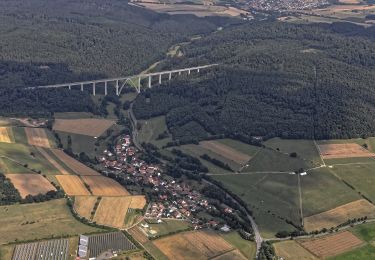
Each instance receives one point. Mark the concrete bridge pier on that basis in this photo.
(170, 76)
(93, 89)
(70, 87)
(117, 88)
(149, 81)
(179, 73)
(159, 79)
(188, 72)
(198, 70)
(105, 88)
(81, 86)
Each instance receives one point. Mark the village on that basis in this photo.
(174, 200)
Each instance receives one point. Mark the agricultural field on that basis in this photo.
(52, 159)
(263, 192)
(241, 147)
(164, 228)
(366, 252)
(84, 205)
(360, 176)
(347, 150)
(322, 191)
(73, 115)
(339, 215)
(290, 249)
(104, 186)
(37, 137)
(232, 255)
(39, 220)
(226, 151)
(365, 232)
(138, 235)
(76, 166)
(138, 202)
(305, 149)
(247, 248)
(193, 245)
(16, 156)
(72, 185)
(84, 126)
(151, 129)
(332, 245)
(6, 135)
(112, 211)
(30, 184)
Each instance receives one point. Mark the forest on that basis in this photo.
(49, 42)
(274, 79)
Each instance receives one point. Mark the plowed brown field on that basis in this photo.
(72, 185)
(104, 186)
(226, 151)
(332, 245)
(331, 151)
(84, 126)
(30, 184)
(37, 137)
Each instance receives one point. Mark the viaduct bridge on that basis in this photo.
(121, 82)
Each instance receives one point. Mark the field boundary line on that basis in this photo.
(319, 152)
(300, 198)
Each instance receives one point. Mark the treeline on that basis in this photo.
(274, 79)
(216, 162)
(8, 193)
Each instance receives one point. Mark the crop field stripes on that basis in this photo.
(51, 250)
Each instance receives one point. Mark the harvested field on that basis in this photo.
(52, 161)
(37, 137)
(232, 255)
(72, 185)
(112, 211)
(332, 245)
(138, 235)
(104, 186)
(76, 166)
(84, 205)
(30, 184)
(137, 202)
(226, 151)
(331, 151)
(4, 135)
(84, 126)
(292, 250)
(336, 216)
(195, 244)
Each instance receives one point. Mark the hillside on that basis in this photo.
(47, 42)
(274, 79)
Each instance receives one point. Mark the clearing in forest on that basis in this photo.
(112, 211)
(72, 185)
(331, 151)
(84, 126)
(332, 245)
(5, 136)
(76, 166)
(104, 186)
(30, 184)
(37, 137)
(201, 244)
(226, 151)
(339, 215)
(84, 205)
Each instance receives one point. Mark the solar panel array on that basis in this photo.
(47, 250)
(115, 241)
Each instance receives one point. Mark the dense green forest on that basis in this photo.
(274, 79)
(47, 42)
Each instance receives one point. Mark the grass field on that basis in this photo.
(247, 248)
(201, 244)
(267, 160)
(360, 176)
(232, 255)
(24, 155)
(227, 152)
(322, 191)
(339, 215)
(167, 227)
(104, 186)
(50, 157)
(39, 220)
(274, 192)
(73, 115)
(290, 249)
(250, 150)
(30, 184)
(366, 252)
(365, 232)
(305, 149)
(151, 129)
